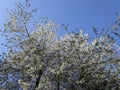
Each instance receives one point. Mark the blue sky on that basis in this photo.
(82, 14)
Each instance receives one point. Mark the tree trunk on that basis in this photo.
(38, 78)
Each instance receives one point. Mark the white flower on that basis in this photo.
(95, 42)
(23, 84)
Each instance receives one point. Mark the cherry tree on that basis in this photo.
(40, 59)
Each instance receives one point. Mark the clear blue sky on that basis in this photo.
(81, 14)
